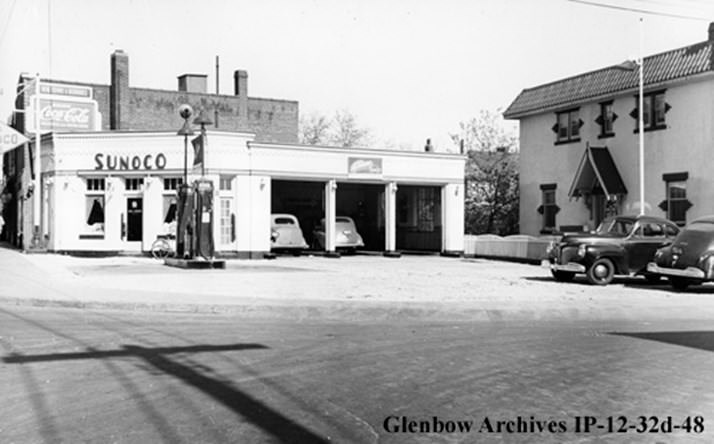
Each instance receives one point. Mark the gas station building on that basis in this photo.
(109, 174)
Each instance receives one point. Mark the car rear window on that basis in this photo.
(284, 221)
(343, 220)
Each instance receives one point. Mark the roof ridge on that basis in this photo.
(660, 68)
(575, 76)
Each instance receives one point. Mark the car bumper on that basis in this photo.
(689, 272)
(288, 246)
(572, 267)
(349, 244)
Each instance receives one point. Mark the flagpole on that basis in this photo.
(36, 162)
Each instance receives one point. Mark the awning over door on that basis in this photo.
(597, 174)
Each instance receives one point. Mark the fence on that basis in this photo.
(518, 247)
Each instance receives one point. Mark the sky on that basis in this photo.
(407, 69)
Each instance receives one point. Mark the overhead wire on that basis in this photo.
(7, 22)
(641, 10)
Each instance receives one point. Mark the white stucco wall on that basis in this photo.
(686, 145)
(251, 167)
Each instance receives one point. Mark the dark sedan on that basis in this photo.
(690, 258)
(621, 245)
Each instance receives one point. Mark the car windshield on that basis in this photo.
(617, 227)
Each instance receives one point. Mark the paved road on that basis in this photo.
(81, 375)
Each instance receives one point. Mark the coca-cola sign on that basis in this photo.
(61, 115)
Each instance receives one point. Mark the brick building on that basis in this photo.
(123, 107)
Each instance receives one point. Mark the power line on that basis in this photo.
(640, 10)
(7, 22)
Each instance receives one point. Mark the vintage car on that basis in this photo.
(621, 245)
(346, 235)
(689, 260)
(285, 233)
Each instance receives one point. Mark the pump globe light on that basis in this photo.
(185, 111)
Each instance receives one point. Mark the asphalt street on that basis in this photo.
(83, 375)
(361, 349)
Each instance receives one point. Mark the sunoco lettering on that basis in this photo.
(114, 162)
(8, 139)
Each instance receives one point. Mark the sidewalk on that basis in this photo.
(354, 287)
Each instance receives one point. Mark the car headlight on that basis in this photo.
(582, 249)
(551, 247)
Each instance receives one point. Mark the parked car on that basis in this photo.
(285, 233)
(346, 235)
(689, 260)
(621, 245)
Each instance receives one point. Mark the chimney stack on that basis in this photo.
(711, 32)
(428, 147)
(193, 83)
(240, 82)
(119, 90)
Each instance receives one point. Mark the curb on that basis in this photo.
(340, 311)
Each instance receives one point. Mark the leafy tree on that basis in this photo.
(491, 176)
(342, 130)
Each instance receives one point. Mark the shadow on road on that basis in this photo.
(702, 340)
(272, 422)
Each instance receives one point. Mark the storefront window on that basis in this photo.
(170, 214)
(94, 212)
(172, 183)
(425, 209)
(134, 183)
(225, 183)
(226, 223)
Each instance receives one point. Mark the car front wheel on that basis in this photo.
(601, 272)
(562, 276)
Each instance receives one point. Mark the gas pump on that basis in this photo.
(204, 246)
(185, 228)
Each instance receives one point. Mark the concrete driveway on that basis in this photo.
(352, 287)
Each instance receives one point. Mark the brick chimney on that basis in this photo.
(119, 91)
(240, 82)
(711, 32)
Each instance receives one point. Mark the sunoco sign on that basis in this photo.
(9, 138)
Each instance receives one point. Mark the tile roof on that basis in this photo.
(658, 68)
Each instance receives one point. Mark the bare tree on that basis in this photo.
(347, 133)
(492, 196)
(342, 130)
(314, 130)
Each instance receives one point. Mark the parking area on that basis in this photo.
(354, 287)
